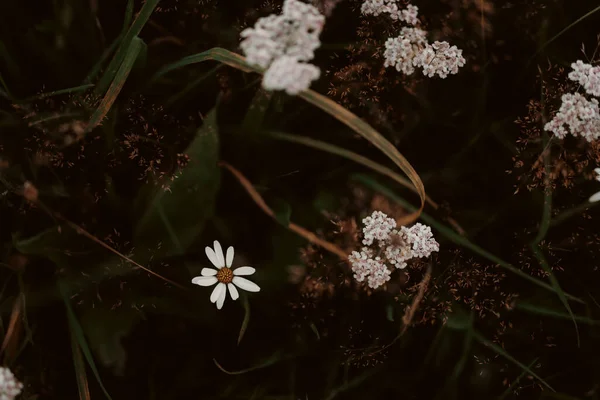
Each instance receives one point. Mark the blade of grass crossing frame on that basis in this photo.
(550, 312)
(79, 337)
(543, 230)
(246, 319)
(76, 89)
(80, 373)
(123, 50)
(561, 294)
(117, 84)
(127, 20)
(454, 237)
(509, 389)
(480, 338)
(357, 158)
(324, 103)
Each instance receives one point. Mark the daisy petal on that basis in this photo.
(229, 258)
(204, 280)
(221, 299)
(208, 272)
(245, 284)
(219, 253)
(233, 291)
(595, 197)
(210, 253)
(218, 290)
(244, 271)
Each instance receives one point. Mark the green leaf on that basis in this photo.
(283, 211)
(104, 329)
(181, 212)
(79, 336)
(255, 115)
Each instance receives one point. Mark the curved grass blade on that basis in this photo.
(117, 84)
(480, 338)
(79, 337)
(267, 363)
(76, 89)
(246, 319)
(562, 32)
(324, 103)
(455, 238)
(122, 52)
(550, 312)
(357, 158)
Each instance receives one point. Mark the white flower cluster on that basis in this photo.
(587, 76)
(596, 196)
(580, 115)
(411, 48)
(384, 244)
(283, 44)
(10, 387)
(376, 7)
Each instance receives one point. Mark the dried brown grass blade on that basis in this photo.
(11, 339)
(58, 217)
(409, 315)
(308, 235)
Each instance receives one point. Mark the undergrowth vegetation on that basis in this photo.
(278, 199)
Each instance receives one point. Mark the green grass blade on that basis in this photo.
(562, 32)
(76, 89)
(79, 336)
(543, 230)
(454, 237)
(80, 373)
(509, 389)
(324, 103)
(124, 46)
(561, 294)
(550, 312)
(117, 84)
(500, 351)
(98, 66)
(246, 320)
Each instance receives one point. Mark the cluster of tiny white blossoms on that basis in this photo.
(282, 44)
(578, 115)
(10, 387)
(384, 244)
(411, 49)
(596, 196)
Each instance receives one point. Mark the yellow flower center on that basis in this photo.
(225, 275)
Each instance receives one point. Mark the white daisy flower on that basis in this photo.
(224, 276)
(595, 197)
